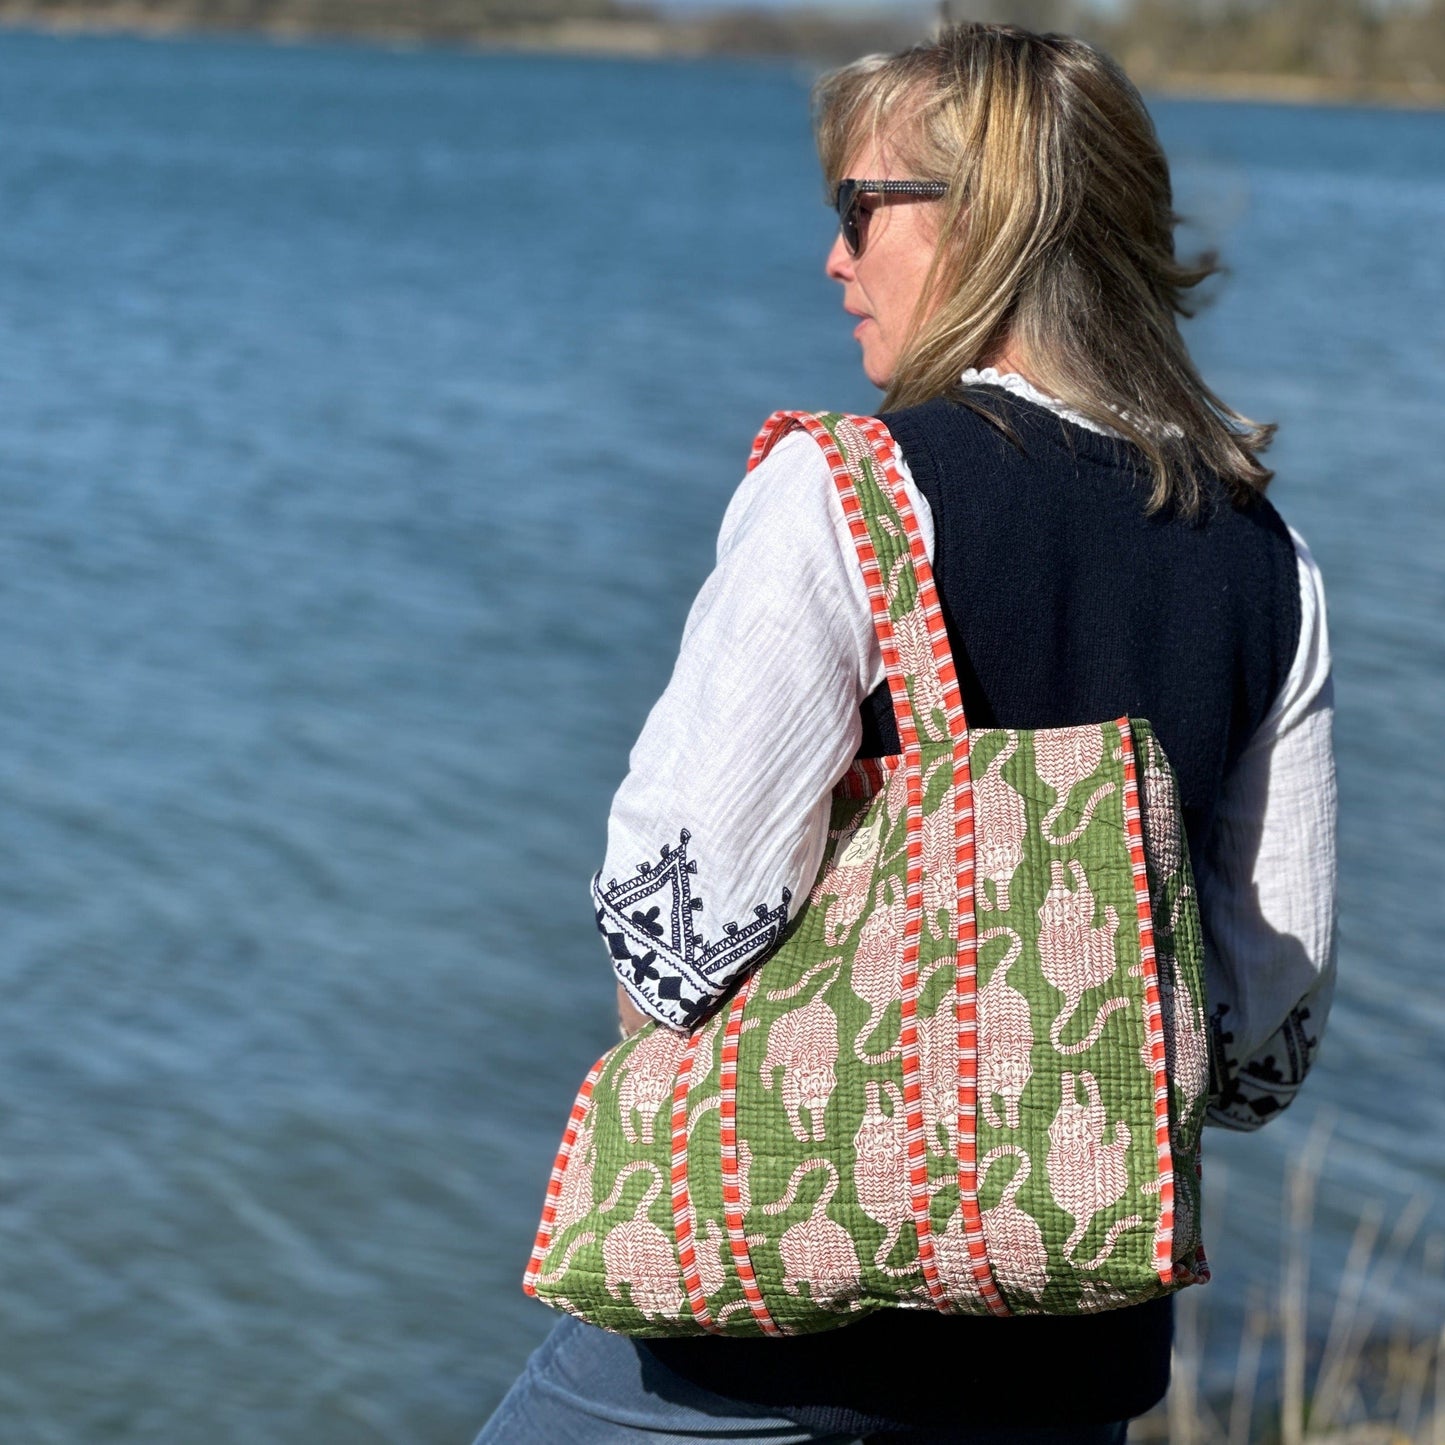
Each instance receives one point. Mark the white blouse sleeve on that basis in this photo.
(1267, 887)
(720, 825)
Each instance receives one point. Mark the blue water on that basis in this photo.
(365, 423)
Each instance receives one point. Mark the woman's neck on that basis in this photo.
(1010, 361)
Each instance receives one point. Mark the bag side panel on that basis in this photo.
(1178, 938)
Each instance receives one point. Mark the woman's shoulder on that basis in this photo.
(792, 494)
(998, 436)
(984, 427)
(789, 492)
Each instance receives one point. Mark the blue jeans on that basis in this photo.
(584, 1386)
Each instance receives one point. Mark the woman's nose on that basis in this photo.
(839, 264)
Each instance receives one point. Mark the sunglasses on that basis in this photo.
(852, 218)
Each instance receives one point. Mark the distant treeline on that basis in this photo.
(1379, 48)
(1345, 46)
(1325, 47)
(440, 20)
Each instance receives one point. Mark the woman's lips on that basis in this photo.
(859, 327)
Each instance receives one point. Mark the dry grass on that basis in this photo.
(1354, 1383)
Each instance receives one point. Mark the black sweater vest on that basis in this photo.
(1065, 604)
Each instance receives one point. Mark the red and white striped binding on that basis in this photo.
(543, 1241)
(683, 1219)
(1153, 1012)
(732, 1190)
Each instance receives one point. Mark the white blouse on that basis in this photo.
(722, 819)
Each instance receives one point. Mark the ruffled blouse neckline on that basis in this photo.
(1025, 390)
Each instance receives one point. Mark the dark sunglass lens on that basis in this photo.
(847, 204)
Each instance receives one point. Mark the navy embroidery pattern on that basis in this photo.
(650, 922)
(1244, 1097)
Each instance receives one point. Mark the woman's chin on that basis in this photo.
(877, 360)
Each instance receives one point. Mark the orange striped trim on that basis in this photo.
(732, 1193)
(682, 1211)
(776, 426)
(867, 777)
(580, 1106)
(1153, 1013)
(966, 955)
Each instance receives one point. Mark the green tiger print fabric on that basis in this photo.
(973, 1076)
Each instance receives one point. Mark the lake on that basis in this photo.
(366, 419)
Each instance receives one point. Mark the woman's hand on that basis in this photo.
(629, 1017)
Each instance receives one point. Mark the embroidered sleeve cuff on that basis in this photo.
(1245, 1095)
(652, 923)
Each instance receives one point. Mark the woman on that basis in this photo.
(1097, 527)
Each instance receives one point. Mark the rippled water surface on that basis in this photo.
(365, 423)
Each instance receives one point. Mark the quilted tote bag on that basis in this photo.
(971, 1079)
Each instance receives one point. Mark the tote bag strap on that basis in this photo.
(928, 707)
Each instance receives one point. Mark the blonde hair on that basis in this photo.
(1056, 238)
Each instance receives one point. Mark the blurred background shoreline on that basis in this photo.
(1375, 52)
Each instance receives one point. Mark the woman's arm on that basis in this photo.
(1267, 888)
(630, 1018)
(717, 832)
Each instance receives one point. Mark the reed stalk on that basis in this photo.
(1364, 1389)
